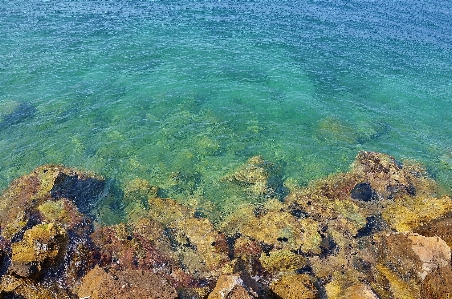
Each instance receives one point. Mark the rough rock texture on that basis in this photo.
(41, 246)
(438, 227)
(232, 286)
(437, 284)
(405, 260)
(379, 230)
(295, 286)
(357, 291)
(102, 284)
(13, 287)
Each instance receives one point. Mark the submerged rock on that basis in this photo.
(21, 113)
(259, 177)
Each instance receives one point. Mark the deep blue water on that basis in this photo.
(181, 93)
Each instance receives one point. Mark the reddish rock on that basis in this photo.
(122, 247)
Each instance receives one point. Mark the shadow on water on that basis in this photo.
(23, 112)
(91, 196)
(85, 193)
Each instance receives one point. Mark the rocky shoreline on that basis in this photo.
(380, 230)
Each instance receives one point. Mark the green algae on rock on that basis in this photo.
(373, 232)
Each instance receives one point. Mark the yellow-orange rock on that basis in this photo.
(405, 260)
(100, 284)
(42, 243)
(406, 213)
(14, 287)
(282, 261)
(208, 244)
(295, 286)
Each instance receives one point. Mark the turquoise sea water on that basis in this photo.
(181, 93)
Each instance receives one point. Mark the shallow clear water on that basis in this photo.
(181, 93)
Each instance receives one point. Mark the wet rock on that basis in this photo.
(136, 197)
(388, 284)
(277, 228)
(249, 252)
(19, 202)
(374, 224)
(385, 175)
(14, 287)
(232, 286)
(342, 229)
(125, 246)
(283, 261)
(432, 252)
(4, 259)
(99, 284)
(193, 293)
(295, 286)
(363, 191)
(47, 239)
(40, 247)
(167, 211)
(356, 291)
(209, 244)
(65, 213)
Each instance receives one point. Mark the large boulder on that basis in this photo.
(404, 261)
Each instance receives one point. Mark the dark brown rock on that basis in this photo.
(438, 227)
(437, 284)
